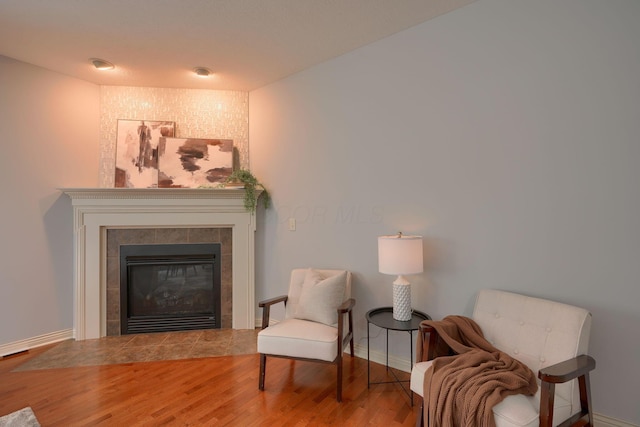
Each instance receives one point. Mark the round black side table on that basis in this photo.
(383, 318)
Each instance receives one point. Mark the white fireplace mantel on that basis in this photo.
(97, 209)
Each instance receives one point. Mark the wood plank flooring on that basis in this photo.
(216, 391)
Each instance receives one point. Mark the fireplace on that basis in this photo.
(171, 287)
(96, 211)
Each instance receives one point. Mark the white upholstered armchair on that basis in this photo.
(318, 321)
(549, 337)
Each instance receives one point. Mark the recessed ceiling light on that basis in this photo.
(202, 71)
(101, 64)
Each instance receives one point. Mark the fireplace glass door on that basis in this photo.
(169, 287)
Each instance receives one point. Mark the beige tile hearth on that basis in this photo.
(145, 348)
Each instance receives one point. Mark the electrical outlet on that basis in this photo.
(292, 224)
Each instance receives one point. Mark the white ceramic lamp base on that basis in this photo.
(402, 301)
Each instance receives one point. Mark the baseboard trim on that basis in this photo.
(34, 342)
(380, 357)
(604, 421)
(259, 322)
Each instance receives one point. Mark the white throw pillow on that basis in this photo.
(321, 297)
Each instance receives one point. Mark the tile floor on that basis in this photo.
(145, 348)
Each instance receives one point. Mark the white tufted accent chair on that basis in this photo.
(307, 340)
(550, 338)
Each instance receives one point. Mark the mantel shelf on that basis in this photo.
(154, 193)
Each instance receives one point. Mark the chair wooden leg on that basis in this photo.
(420, 418)
(547, 395)
(351, 331)
(339, 385)
(585, 397)
(263, 366)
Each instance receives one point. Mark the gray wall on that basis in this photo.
(506, 133)
(49, 139)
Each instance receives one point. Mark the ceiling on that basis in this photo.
(158, 43)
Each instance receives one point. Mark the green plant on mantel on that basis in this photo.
(251, 185)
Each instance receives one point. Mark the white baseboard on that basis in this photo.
(604, 421)
(34, 342)
(381, 358)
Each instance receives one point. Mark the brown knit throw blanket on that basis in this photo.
(461, 390)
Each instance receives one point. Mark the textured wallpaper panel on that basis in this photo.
(197, 113)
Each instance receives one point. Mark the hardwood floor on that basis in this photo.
(216, 391)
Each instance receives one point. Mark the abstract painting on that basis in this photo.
(137, 152)
(194, 162)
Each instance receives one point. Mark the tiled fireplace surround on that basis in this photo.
(104, 218)
(136, 236)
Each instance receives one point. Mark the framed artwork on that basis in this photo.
(194, 162)
(137, 152)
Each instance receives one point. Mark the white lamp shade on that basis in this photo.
(400, 254)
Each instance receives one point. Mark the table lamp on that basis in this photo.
(400, 254)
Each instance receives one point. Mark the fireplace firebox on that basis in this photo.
(169, 287)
